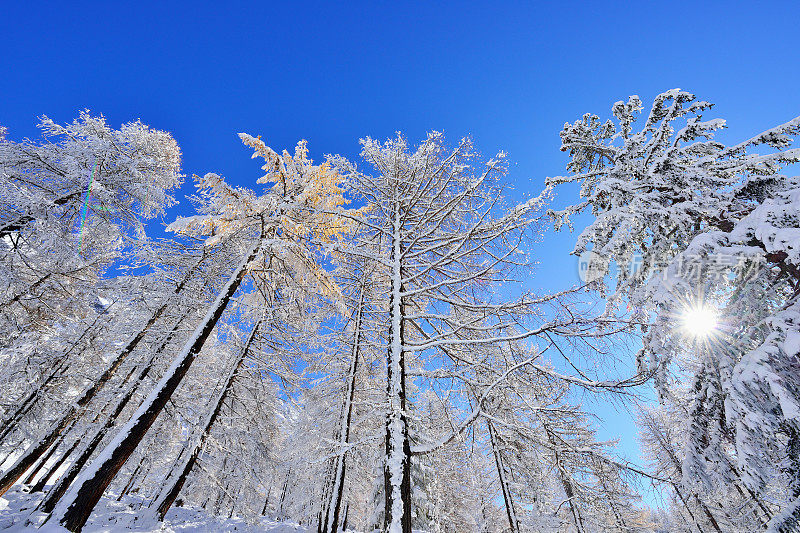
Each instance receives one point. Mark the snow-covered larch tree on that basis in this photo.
(279, 223)
(69, 202)
(447, 242)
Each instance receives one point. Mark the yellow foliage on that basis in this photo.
(317, 188)
(314, 216)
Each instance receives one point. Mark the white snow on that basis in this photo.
(131, 514)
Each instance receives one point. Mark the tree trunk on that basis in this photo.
(233, 501)
(577, 519)
(667, 447)
(346, 515)
(397, 470)
(282, 499)
(688, 509)
(40, 485)
(513, 525)
(610, 500)
(222, 491)
(129, 484)
(63, 484)
(42, 461)
(266, 501)
(76, 506)
(327, 490)
(174, 484)
(330, 522)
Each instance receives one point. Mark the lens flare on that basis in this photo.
(700, 321)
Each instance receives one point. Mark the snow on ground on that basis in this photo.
(17, 515)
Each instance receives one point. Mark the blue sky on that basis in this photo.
(508, 73)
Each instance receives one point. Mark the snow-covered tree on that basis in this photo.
(68, 203)
(273, 226)
(698, 226)
(444, 242)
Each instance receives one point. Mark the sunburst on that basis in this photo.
(700, 321)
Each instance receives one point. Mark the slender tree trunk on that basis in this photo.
(234, 500)
(40, 485)
(76, 506)
(327, 489)
(63, 484)
(36, 450)
(333, 508)
(129, 484)
(577, 519)
(667, 447)
(346, 514)
(222, 491)
(611, 501)
(42, 461)
(501, 474)
(266, 501)
(686, 506)
(397, 470)
(173, 485)
(284, 490)
(759, 502)
(708, 513)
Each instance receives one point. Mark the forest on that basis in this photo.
(354, 344)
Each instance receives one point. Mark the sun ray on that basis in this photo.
(700, 321)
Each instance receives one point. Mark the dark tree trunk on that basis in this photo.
(42, 461)
(282, 499)
(566, 483)
(513, 525)
(129, 484)
(266, 502)
(40, 485)
(174, 484)
(688, 509)
(346, 514)
(88, 491)
(63, 484)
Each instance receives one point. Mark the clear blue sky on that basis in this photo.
(508, 73)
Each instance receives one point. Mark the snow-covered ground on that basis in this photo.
(131, 514)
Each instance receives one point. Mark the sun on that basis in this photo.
(700, 321)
